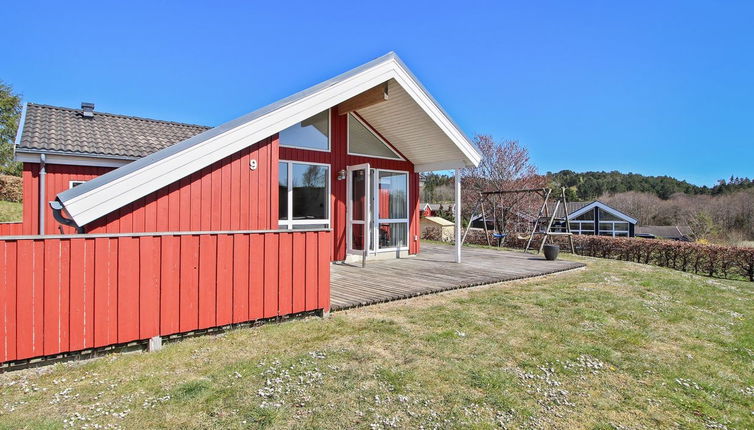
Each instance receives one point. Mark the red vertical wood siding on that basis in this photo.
(72, 293)
(338, 159)
(57, 180)
(227, 195)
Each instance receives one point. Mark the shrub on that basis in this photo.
(711, 260)
(11, 188)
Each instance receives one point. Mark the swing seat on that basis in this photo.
(500, 238)
(519, 237)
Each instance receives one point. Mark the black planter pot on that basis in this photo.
(551, 252)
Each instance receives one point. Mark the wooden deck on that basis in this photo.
(431, 271)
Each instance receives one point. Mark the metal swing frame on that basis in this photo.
(543, 216)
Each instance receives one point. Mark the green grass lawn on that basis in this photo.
(10, 211)
(614, 346)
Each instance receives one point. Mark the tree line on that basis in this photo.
(590, 185)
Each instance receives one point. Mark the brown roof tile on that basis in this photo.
(65, 130)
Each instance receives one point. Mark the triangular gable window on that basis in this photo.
(362, 141)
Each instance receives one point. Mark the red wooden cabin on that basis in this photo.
(342, 157)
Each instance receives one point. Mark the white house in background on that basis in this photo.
(597, 218)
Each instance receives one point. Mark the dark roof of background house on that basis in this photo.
(572, 207)
(61, 130)
(666, 231)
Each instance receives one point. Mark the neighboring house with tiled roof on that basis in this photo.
(68, 147)
(60, 131)
(672, 232)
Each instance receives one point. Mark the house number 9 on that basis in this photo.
(253, 164)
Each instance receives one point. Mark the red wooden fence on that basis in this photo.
(69, 293)
(10, 228)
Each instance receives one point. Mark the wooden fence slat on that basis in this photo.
(38, 297)
(105, 309)
(256, 276)
(299, 272)
(224, 279)
(78, 297)
(11, 297)
(240, 278)
(270, 262)
(89, 279)
(169, 301)
(311, 271)
(65, 296)
(189, 283)
(149, 287)
(112, 320)
(25, 301)
(207, 280)
(4, 288)
(323, 269)
(128, 289)
(285, 275)
(51, 325)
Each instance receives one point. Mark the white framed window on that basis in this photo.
(582, 227)
(303, 195)
(312, 133)
(72, 184)
(391, 214)
(364, 141)
(583, 224)
(613, 228)
(612, 225)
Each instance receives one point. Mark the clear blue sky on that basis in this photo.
(649, 87)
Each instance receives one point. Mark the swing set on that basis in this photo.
(546, 224)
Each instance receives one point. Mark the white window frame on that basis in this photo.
(377, 135)
(289, 222)
(367, 221)
(614, 231)
(581, 229)
(74, 183)
(329, 137)
(376, 213)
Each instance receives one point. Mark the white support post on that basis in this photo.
(458, 236)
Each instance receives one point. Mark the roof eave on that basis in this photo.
(115, 189)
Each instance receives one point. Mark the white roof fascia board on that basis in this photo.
(71, 160)
(113, 190)
(604, 207)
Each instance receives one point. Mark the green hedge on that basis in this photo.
(729, 262)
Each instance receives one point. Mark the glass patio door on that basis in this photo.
(358, 210)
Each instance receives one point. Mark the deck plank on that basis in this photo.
(431, 271)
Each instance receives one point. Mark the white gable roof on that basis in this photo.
(411, 119)
(605, 208)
